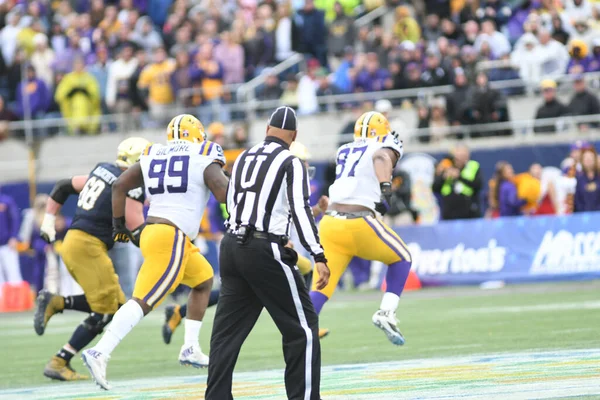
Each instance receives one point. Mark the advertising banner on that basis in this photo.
(514, 249)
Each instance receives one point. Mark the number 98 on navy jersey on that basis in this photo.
(94, 204)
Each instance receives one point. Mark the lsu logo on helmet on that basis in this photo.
(130, 150)
(371, 125)
(186, 127)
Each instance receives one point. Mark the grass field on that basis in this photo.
(529, 341)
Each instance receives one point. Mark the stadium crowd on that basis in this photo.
(82, 59)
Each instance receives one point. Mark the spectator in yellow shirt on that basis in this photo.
(156, 78)
(406, 27)
(209, 72)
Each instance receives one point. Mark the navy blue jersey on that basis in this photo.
(94, 206)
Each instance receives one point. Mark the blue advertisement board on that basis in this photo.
(513, 249)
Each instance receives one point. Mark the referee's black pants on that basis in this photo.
(258, 274)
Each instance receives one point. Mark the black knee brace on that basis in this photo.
(95, 323)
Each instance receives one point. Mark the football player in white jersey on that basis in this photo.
(350, 228)
(178, 178)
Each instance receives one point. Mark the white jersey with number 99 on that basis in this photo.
(355, 180)
(174, 181)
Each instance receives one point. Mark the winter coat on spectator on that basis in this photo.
(38, 97)
(584, 103)
(158, 10)
(552, 109)
(341, 35)
(499, 44)
(518, 17)
(372, 82)
(407, 28)
(435, 77)
(311, 28)
(458, 104)
(307, 95)
(231, 57)
(501, 10)
(554, 58)
(528, 56)
(585, 63)
(508, 203)
(341, 77)
(78, 96)
(587, 193)
(575, 12)
(8, 40)
(100, 72)
(148, 41)
(283, 39)
(42, 62)
(117, 86)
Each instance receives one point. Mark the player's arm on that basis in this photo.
(298, 193)
(384, 160)
(59, 195)
(217, 181)
(130, 179)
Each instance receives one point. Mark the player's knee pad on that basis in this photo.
(95, 323)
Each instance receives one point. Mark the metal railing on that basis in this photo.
(371, 16)
(247, 90)
(246, 107)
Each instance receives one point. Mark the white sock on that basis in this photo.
(128, 316)
(389, 302)
(192, 332)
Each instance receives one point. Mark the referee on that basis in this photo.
(268, 189)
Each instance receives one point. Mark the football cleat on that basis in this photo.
(192, 355)
(96, 363)
(387, 322)
(172, 321)
(323, 332)
(60, 370)
(48, 304)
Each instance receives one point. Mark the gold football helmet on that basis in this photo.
(371, 125)
(130, 150)
(186, 127)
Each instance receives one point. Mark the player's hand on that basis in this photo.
(386, 198)
(48, 230)
(13, 243)
(323, 271)
(323, 203)
(120, 232)
(136, 234)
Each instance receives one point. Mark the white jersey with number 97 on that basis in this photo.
(355, 180)
(174, 181)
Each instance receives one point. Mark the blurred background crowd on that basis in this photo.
(80, 59)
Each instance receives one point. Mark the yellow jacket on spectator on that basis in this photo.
(78, 97)
(157, 79)
(528, 188)
(407, 28)
(327, 7)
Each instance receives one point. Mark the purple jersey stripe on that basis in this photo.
(166, 273)
(390, 245)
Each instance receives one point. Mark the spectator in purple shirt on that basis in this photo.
(587, 191)
(372, 78)
(37, 95)
(10, 221)
(508, 202)
(580, 62)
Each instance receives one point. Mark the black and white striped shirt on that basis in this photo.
(268, 189)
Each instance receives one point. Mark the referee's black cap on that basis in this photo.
(284, 118)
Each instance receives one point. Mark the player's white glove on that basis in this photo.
(48, 230)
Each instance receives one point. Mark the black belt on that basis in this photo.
(349, 215)
(242, 234)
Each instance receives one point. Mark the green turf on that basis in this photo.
(435, 322)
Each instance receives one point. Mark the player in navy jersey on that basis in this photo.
(84, 252)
